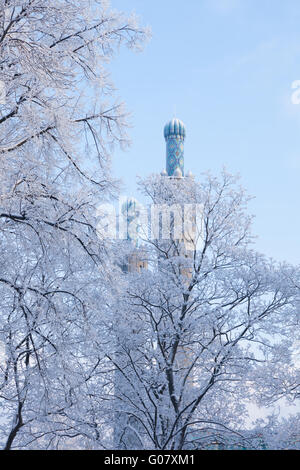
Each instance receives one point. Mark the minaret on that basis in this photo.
(127, 429)
(174, 133)
(137, 259)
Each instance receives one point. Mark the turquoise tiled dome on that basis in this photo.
(174, 128)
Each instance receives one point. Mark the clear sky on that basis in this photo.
(228, 68)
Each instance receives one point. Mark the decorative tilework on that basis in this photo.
(175, 155)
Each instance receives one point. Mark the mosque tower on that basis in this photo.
(136, 262)
(137, 259)
(174, 133)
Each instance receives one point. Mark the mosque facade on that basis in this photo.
(174, 134)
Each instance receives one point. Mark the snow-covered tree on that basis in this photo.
(58, 123)
(194, 325)
(162, 358)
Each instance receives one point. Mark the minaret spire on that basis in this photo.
(174, 133)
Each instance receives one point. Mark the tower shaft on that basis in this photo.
(175, 154)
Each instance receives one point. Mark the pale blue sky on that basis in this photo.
(228, 67)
